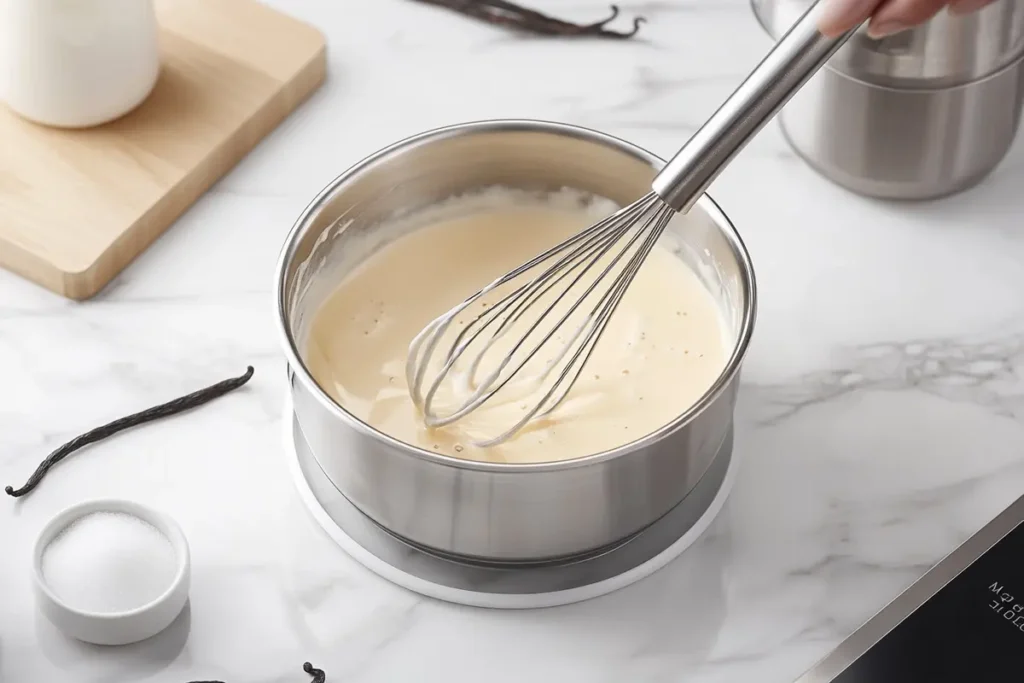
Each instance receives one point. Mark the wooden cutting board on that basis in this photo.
(76, 207)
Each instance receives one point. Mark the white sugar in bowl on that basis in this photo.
(111, 572)
(77, 63)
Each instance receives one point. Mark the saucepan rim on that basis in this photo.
(306, 219)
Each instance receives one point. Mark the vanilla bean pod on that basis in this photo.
(318, 674)
(511, 15)
(178, 405)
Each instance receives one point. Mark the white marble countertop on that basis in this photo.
(879, 421)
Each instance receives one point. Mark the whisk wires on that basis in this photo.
(595, 267)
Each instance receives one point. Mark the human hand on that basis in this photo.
(887, 16)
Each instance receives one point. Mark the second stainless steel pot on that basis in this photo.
(493, 512)
(921, 114)
(905, 144)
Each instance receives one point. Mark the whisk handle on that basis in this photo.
(793, 60)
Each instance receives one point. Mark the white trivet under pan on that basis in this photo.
(506, 587)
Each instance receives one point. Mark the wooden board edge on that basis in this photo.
(89, 282)
(30, 267)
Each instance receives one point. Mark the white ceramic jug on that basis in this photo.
(77, 63)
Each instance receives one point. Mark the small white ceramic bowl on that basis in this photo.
(114, 628)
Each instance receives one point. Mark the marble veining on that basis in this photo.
(879, 422)
(983, 372)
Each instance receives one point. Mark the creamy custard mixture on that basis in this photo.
(662, 350)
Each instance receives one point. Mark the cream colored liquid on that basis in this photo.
(662, 350)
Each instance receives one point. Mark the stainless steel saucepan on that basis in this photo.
(490, 512)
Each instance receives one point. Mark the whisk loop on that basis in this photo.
(614, 249)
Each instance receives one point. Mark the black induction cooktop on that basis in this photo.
(962, 622)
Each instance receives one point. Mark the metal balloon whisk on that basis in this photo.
(559, 303)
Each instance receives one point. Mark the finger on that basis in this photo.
(968, 6)
(839, 16)
(899, 15)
